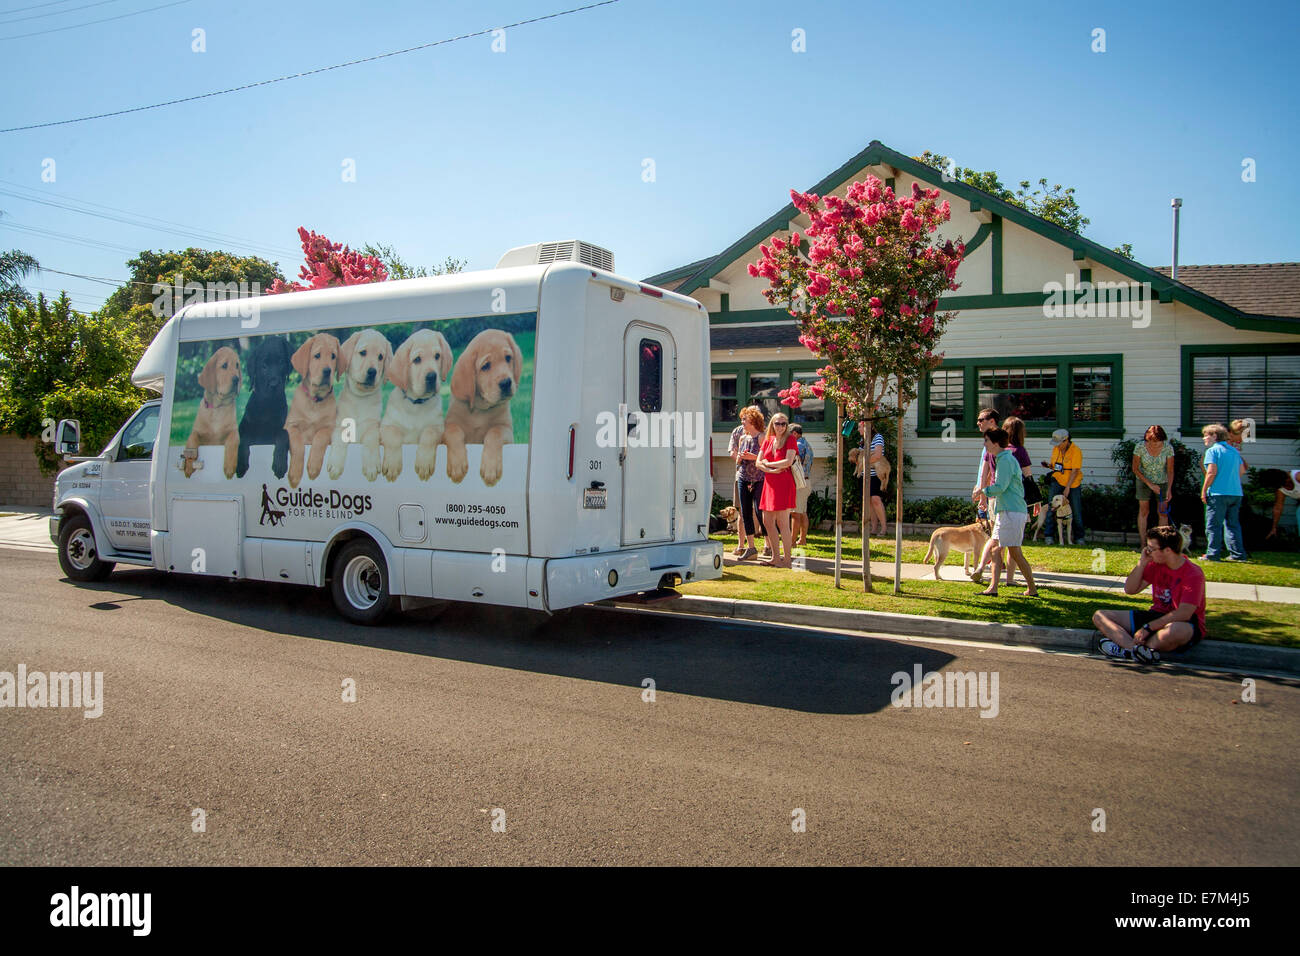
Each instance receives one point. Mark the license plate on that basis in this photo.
(593, 497)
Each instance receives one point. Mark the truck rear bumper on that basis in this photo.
(599, 577)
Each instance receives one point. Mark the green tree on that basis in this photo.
(14, 266)
(58, 363)
(148, 308)
(399, 268)
(1053, 203)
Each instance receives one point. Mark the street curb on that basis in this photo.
(1250, 657)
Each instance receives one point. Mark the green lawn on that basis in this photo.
(1251, 622)
(1266, 567)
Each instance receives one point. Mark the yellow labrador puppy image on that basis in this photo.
(214, 422)
(484, 380)
(363, 363)
(414, 413)
(311, 413)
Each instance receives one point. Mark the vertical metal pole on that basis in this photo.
(898, 498)
(839, 486)
(1178, 206)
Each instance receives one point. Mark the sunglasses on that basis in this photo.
(984, 418)
(779, 424)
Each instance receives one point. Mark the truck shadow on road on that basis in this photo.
(772, 666)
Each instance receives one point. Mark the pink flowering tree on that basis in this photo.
(864, 281)
(330, 264)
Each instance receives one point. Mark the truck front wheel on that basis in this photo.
(78, 555)
(359, 582)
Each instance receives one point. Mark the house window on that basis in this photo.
(763, 389)
(1081, 392)
(1090, 394)
(651, 375)
(726, 404)
(1026, 392)
(947, 395)
(734, 385)
(811, 411)
(1264, 387)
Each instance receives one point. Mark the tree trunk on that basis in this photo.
(866, 511)
(839, 487)
(898, 500)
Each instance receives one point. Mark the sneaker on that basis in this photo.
(1210, 557)
(1236, 560)
(1145, 655)
(1112, 650)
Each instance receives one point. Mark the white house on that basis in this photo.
(1220, 343)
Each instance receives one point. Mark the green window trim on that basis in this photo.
(784, 371)
(1190, 427)
(1064, 364)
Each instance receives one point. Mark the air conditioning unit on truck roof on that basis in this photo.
(570, 250)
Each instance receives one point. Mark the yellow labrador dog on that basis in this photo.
(486, 377)
(363, 363)
(969, 539)
(414, 413)
(312, 412)
(214, 422)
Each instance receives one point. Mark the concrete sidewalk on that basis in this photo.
(1101, 582)
(27, 529)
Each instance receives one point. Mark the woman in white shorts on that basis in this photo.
(1012, 514)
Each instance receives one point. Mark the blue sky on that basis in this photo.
(466, 152)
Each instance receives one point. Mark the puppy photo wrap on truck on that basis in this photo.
(363, 406)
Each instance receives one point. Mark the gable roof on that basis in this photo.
(877, 153)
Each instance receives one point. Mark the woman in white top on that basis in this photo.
(1284, 484)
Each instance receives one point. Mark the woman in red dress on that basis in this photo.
(778, 453)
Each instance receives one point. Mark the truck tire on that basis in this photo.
(359, 583)
(78, 554)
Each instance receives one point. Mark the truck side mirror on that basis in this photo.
(69, 437)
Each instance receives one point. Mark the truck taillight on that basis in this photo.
(710, 457)
(573, 433)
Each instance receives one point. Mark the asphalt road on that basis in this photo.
(228, 698)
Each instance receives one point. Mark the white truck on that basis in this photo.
(534, 435)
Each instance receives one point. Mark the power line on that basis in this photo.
(53, 13)
(65, 237)
(133, 219)
(206, 235)
(37, 6)
(294, 76)
(91, 23)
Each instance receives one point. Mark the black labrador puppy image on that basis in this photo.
(263, 422)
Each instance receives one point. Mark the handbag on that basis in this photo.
(800, 481)
(1032, 494)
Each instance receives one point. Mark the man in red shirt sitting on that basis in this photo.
(1176, 621)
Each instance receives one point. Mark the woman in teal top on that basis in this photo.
(1008, 491)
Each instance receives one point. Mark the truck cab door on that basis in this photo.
(124, 485)
(649, 458)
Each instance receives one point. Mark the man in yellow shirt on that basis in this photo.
(1066, 479)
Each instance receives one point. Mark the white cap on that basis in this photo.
(1059, 436)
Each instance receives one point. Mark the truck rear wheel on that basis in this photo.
(78, 554)
(359, 583)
